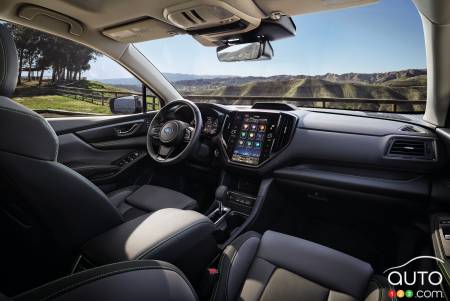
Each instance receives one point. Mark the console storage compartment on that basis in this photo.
(181, 237)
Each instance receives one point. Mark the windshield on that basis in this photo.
(364, 58)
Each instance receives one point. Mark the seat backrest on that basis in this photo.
(47, 211)
(281, 267)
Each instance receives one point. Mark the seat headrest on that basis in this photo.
(8, 62)
(23, 131)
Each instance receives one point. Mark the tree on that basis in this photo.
(22, 37)
(39, 51)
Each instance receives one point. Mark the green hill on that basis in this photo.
(413, 88)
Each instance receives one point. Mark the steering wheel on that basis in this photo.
(170, 141)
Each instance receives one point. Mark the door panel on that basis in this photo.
(115, 131)
(108, 151)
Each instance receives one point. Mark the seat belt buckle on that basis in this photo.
(208, 283)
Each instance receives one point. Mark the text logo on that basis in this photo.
(427, 284)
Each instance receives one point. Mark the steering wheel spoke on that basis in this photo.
(154, 132)
(188, 132)
(164, 151)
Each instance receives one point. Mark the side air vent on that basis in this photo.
(226, 128)
(409, 148)
(284, 132)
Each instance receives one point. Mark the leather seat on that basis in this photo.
(46, 206)
(276, 266)
(272, 267)
(130, 280)
(135, 200)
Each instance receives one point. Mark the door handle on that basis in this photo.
(123, 132)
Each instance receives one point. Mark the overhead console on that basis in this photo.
(212, 20)
(252, 138)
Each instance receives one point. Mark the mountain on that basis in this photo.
(125, 81)
(361, 78)
(172, 77)
(405, 84)
(176, 77)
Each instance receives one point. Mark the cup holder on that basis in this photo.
(235, 219)
(228, 225)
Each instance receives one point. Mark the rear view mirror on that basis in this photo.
(130, 104)
(256, 51)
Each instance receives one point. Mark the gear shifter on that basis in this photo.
(221, 193)
(221, 211)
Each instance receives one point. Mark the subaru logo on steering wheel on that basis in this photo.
(168, 130)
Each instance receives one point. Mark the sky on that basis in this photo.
(387, 36)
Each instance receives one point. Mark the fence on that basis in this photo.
(102, 97)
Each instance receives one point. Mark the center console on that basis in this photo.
(236, 199)
(252, 138)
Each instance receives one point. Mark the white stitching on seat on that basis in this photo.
(121, 271)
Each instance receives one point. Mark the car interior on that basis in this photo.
(160, 205)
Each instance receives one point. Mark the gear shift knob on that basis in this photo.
(221, 193)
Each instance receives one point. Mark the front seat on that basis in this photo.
(272, 267)
(47, 210)
(276, 266)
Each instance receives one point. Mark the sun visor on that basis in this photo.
(140, 31)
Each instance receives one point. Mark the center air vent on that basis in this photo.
(422, 149)
(284, 132)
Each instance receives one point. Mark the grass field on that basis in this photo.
(59, 102)
(36, 97)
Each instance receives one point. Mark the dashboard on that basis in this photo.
(260, 140)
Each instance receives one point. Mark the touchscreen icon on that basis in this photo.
(262, 127)
(241, 142)
(259, 136)
(251, 135)
(245, 126)
(249, 144)
(253, 127)
(243, 134)
(258, 144)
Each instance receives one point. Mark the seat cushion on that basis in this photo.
(152, 198)
(281, 267)
(166, 234)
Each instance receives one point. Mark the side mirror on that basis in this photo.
(130, 104)
(256, 51)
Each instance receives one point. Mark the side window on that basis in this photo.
(61, 78)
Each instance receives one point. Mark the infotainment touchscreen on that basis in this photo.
(250, 140)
